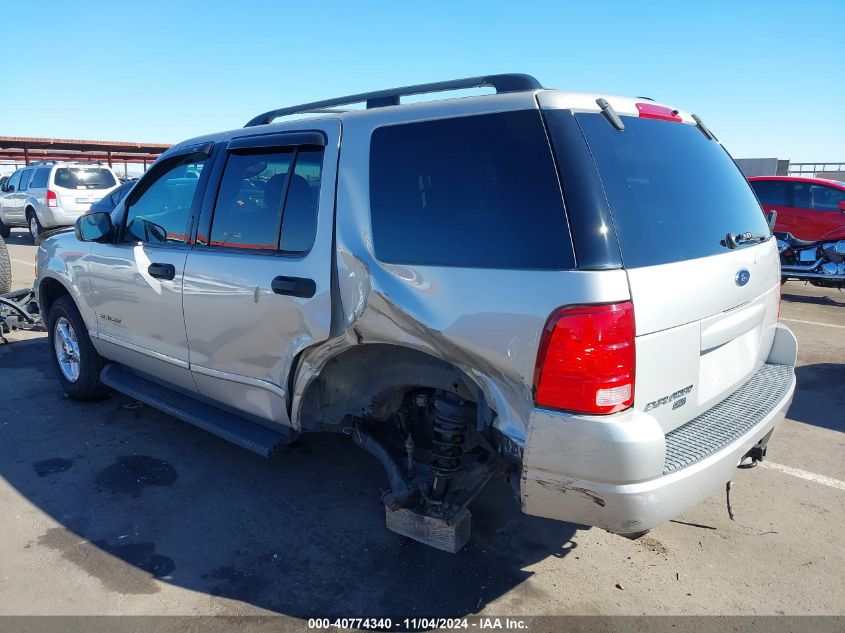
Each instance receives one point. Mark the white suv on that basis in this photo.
(47, 195)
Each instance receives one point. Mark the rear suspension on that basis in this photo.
(449, 431)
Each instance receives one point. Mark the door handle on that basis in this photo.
(162, 271)
(294, 287)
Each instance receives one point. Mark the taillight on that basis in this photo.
(654, 111)
(52, 200)
(586, 360)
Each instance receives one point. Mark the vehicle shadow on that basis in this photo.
(827, 300)
(815, 402)
(21, 237)
(141, 496)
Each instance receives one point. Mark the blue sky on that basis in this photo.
(767, 77)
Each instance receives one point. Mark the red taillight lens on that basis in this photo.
(653, 111)
(52, 200)
(586, 360)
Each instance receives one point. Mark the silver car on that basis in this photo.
(576, 292)
(47, 195)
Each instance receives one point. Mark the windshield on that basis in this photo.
(673, 193)
(84, 178)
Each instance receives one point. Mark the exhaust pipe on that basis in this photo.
(786, 272)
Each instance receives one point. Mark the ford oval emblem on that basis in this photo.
(742, 277)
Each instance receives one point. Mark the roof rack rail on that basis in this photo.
(389, 97)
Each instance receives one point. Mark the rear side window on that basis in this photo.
(262, 201)
(249, 202)
(299, 222)
(818, 197)
(674, 194)
(478, 191)
(84, 178)
(39, 179)
(773, 192)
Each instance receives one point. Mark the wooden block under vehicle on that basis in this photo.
(449, 537)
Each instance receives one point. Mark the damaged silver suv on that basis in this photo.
(575, 292)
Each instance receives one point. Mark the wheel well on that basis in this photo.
(29, 209)
(372, 380)
(48, 292)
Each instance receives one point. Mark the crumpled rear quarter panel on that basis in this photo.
(487, 322)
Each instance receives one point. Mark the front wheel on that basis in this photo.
(77, 363)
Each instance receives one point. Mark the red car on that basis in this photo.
(809, 208)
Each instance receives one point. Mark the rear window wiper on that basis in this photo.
(732, 241)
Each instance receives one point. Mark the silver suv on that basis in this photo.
(52, 194)
(575, 292)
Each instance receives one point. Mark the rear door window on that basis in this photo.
(249, 202)
(265, 204)
(39, 180)
(673, 193)
(818, 197)
(299, 221)
(84, 178)
(477, 191)
(776, 193)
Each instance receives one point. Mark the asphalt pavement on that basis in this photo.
(113, 508)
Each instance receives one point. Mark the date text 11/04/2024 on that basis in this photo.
(387, 624)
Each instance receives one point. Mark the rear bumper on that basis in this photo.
(625, 475)
(58, 216)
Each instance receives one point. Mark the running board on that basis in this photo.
(228, 426)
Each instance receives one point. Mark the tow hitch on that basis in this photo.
(753, 457)
(19, 311)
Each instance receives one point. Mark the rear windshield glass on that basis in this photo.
(674, 194)
(476, 191)
(84, 178)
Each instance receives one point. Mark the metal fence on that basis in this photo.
(818, 170)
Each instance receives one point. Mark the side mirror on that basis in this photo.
(94, 227)
(9, 188)
(842, 206)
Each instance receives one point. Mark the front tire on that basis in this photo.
(77, 363)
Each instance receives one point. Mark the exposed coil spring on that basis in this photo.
(449, 434)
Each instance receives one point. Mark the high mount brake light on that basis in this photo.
(654, 111)
(586, 361)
